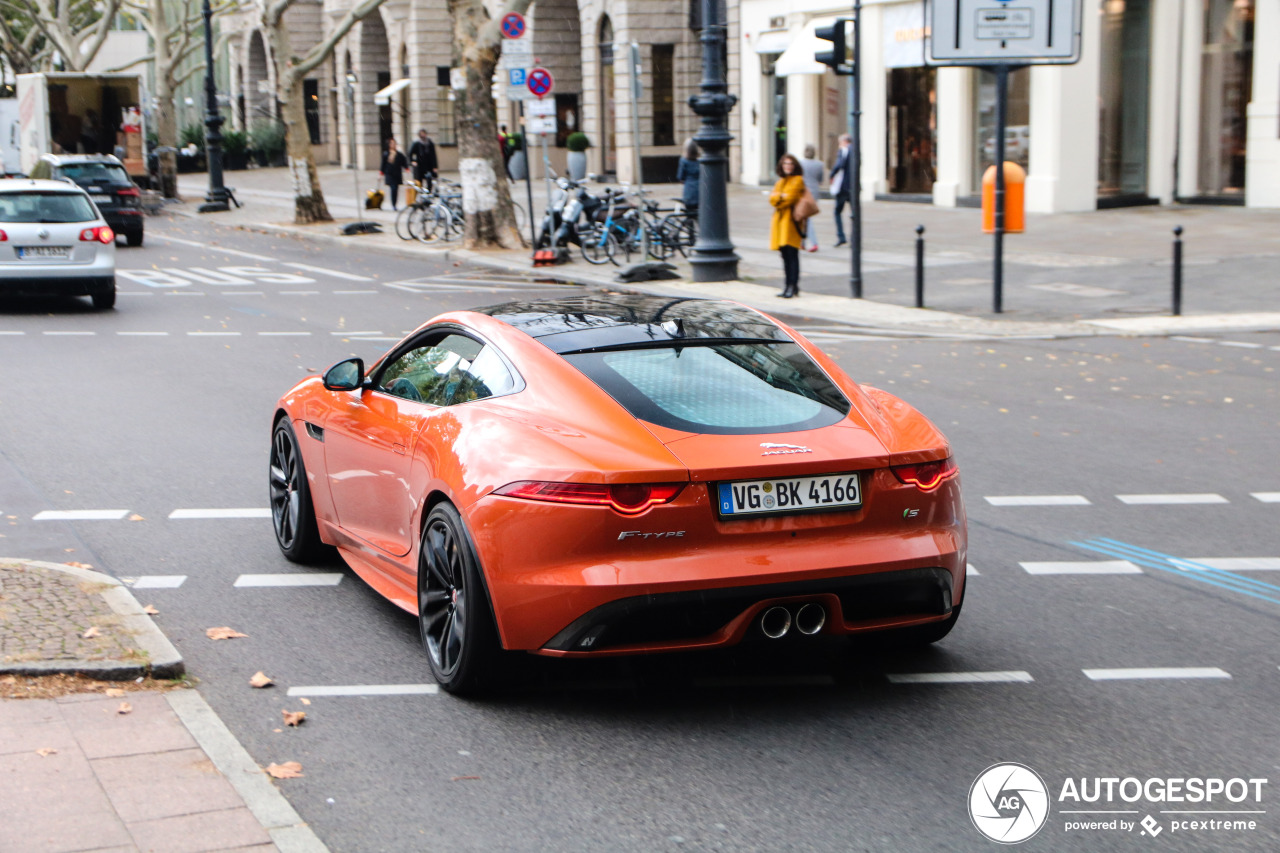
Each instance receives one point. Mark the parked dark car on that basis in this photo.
(103, 177)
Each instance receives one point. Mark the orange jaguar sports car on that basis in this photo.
(606, 475)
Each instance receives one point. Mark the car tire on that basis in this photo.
(106, 300)
(293, 516)
(133, 238)
(455, 619)
(923, 635)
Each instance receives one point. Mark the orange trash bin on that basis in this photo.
(1015, 182)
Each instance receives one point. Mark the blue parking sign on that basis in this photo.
(516, 76)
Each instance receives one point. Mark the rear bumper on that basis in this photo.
(57, 285)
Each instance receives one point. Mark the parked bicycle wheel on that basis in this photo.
(621, 246)
(437, 224)
(683, 231)
(402, 222)
(598, 245)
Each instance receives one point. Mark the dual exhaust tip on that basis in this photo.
(809, 618)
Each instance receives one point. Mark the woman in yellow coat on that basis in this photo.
(784, 235)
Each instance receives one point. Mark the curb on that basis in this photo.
(163, 660)
(286, 828)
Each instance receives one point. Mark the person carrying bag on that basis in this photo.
(787, 228)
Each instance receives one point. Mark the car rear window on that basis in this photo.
(723, 388)
(49, 207)
(95, 173)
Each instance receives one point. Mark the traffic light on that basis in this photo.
(837, 57)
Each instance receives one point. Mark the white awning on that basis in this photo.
(775, 41)
(798, 57)
(383, 96)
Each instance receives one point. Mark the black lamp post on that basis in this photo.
(215, 201)
(713, 256)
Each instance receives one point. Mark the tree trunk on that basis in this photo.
(308, 196)
(166, 110)
(486, 199)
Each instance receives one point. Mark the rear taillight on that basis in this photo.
(3, 237)
(926, 476)
(102, 234)
(625, 498)
(129, 191)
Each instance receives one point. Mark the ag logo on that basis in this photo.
(1008, 803)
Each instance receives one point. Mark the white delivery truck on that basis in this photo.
(78, 113)
(9, 158)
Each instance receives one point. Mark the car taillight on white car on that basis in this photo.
(101, 234)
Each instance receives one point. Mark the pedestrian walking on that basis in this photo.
(392, 171)
(784, 232)
(422, 156)
(688, 173)
(812, 169)
(842, 185)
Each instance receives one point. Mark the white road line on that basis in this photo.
(68, 333)
(1240, 564)
(1015, 676)
(371, 338)
(159, 581)
(241, 512)
(1156, 672)
(299, 292)
(366, 690)
(12, 333)
(353, 292)
(1267, 497)
(349, 334)
(80, 515)
(1192, 340)
(1241, 344)
(1096, 567)
(184, 293)
(1207, 498)
(1277, 349)
(143, 334)
(348, 276)
(134, 293)
(284, 334)
(213, 334)
(756, 681)
(970, 570)
(236, 252)
(1037, 500)
(290, 579)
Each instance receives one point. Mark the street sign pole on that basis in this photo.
(528, 177)
(855, 143)
(635, 146)
(1002, 117)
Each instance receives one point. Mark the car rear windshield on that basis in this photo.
(49, 207)
(739, 388)
(95, 173)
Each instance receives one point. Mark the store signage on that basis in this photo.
(1004, 32)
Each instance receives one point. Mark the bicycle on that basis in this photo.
(602, 241)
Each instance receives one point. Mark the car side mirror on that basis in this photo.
(345, 375)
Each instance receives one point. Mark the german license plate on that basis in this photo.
(44, 251)
(790, 494)
(102, 199)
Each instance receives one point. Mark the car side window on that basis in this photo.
(453, 369)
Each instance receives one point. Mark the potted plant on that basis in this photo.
(577, 143)
(235, 150)
(267, 140)
(517, 165)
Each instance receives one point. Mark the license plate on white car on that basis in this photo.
(44, 251)
(101, 199)
(790, 494)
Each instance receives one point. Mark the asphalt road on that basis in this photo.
(165, 404)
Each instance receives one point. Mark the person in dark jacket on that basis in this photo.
(392, 171)
(841, 181)
(422, 156)
(689, 174)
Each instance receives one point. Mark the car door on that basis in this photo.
(370, 437)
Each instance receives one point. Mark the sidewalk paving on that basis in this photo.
(143, 766)
(1098, 273)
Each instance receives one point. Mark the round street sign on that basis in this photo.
(540, 81)
(513, 25)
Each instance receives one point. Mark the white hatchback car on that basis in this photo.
(54, 241)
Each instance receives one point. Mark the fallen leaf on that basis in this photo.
(288, 770)
(260, 679)
(69, 550)
(91, 633)
(223, 633)
(136, 517)
(78, 565)
(462, 778)
(9, 679)
(277, 731)
(114, 692)
(150, 610)
(46, 750)
(125, 708)
(304, 700)
(293, 718)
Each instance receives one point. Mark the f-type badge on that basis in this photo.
(774, 449)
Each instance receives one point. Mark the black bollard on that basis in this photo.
(1177, 271)
(919, 266)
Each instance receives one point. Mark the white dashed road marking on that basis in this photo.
(366, 690)
(1009, 677)
(970, 570)
(1037, 500)
(1156, 672)
(1173, 499)
(143, 334)
(348, 276)
(236, 252)
(80, 515)
(69, 333)
(1240, 564)
(1268, 497)
(1095, 567)
(213, 334)
(159, 581)
(284, 334)
(242, 512)
(291, 579)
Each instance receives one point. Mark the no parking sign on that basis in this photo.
(540, 81)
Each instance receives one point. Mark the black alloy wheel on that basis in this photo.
(292, 514)
(453, 611)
